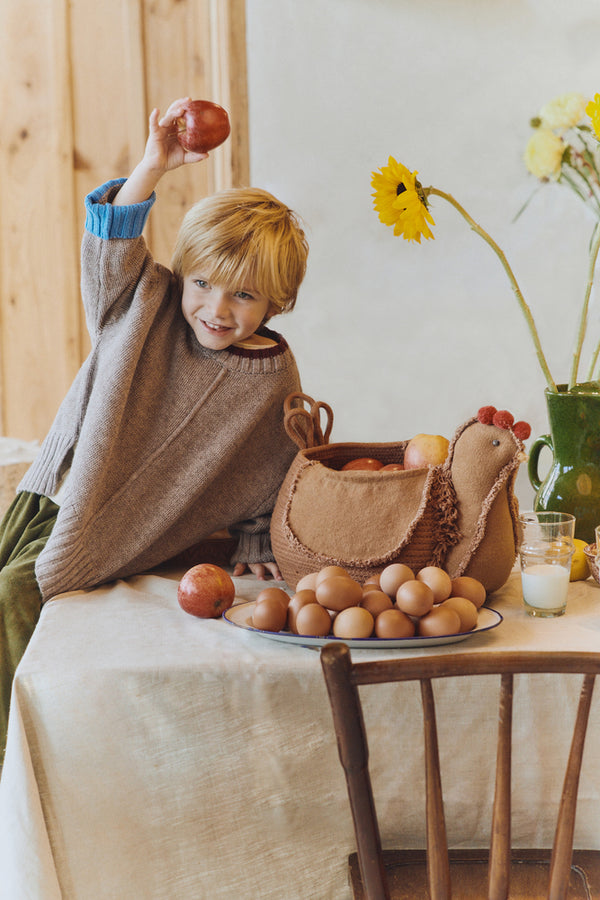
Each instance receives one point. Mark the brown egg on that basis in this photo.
(313, 620)
(269, 615)
(465, 586)
(415, 598)
(438, 580)
(392, 467)
(372, 581)
(338, 591)
(439, 622)
(300, 599)
(327, 572)
(353, 622)
(393, 576)
(393, 623)
(274, 593)
(307, 581)
(376, 601)
(466, 609)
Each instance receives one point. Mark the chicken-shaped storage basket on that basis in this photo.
(461, 515)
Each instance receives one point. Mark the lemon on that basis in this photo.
(579, 564)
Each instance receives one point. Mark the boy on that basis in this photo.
(173, 427)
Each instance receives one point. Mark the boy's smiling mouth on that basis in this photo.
(215, 329)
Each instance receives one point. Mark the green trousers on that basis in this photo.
(24, 531)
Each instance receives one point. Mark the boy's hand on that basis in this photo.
(163, 152)
(259, 569)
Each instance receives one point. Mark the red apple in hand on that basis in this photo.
(206, 591)
(203, 126)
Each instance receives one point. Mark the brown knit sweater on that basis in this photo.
(172, 441)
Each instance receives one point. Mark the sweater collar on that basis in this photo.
(276, 349)
(260, 359)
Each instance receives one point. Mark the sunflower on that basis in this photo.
(400, 201)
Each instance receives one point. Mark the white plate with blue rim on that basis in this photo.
(240, 616)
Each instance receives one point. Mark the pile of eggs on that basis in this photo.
(394, 604)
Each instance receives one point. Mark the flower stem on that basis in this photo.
(588, 195)
(584, 310)
(513, 281)
(593, 364)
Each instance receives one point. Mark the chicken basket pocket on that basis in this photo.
(460, 515)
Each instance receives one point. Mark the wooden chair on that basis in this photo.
(412, 875)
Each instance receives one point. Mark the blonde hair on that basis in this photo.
(244, 237)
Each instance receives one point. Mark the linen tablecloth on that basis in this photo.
(154, 755)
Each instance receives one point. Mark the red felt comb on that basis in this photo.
(522, 430)
(489, 415)
(486, 414)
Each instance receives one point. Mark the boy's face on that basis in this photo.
(221, 316)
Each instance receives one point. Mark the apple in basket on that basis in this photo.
(363, 462)
(425, 450)
(206, 591)
(203, 126)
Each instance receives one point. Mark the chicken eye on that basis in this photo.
(495, 442)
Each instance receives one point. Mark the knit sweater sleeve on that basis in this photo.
(114, 257)
(104, 220)
(254, 541)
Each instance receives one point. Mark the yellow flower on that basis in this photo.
(593, 111)
(544, 154)
(400, 201)
(563, 112)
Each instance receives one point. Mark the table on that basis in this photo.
(155, 755)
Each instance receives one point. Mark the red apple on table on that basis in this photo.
(203, 126)
(206, 591)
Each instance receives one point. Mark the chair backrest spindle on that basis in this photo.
(499, 865)
(438, 865)
(565, 827)
(354, 757)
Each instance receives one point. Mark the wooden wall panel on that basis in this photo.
(78, 80)
(39, 339)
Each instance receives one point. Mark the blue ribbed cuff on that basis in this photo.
(107, 221)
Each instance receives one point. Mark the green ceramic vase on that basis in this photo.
(573, 482)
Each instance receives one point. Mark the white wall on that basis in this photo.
(403, 338)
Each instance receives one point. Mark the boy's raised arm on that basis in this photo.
(163, 152)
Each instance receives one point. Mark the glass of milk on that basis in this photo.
(545, 555)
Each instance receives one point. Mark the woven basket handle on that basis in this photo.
(304, 425)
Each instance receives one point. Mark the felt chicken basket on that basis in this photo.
(461, 515)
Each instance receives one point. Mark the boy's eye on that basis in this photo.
(200, 283)
(243, 295)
